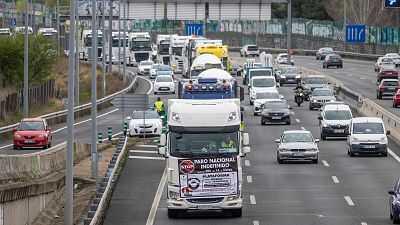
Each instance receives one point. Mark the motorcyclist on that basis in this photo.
(299, 87)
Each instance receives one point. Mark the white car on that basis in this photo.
(164, 84)
(263, 97)
(383, 62)
(395, 57)
(261, 84)
(145, 67)
(282, 59)
(159, 69)
(144, 122)
(367, 136)
(248, 50)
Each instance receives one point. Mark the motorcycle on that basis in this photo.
(299, 97)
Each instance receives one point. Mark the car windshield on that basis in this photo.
(204, 144)
(164, 68)
(289, 70)
(335, 57)
(263, 83)
(268, 95)
(283, 56)
(164, 79)
(387, 60)
(316, 80)
(338, 115)
(275, 105)
(297, 137)
(31, 125)
(147, 114)
(322, 93)
(368, 128)
(393, 55)
(146, 63)
(252, 48)
(390, 83)
(258, 73)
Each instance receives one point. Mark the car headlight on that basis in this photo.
(17, 136)
(171, 85)
(298, 76)
(355, 139)
(382, 139)
(283, 77)
(41, 135)
(312, 149)
(284, 149)
(174, 195)
(314, 100)
(325, 125)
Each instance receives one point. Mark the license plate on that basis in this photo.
(369, 146)
(391, 88)
(276, 117)
(29, 142)
(298, 154)
(204, 207)
(338, 131)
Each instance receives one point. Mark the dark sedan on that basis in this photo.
(275, 112)
(387, 87)
(323, 52)
(289, 75)
(394, 203)
(332, 60)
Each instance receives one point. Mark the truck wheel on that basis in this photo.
(236, 212)
(173, 213)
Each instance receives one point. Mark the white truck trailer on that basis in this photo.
(204, 148)
(86, 43)
(163, 44)
(140, 48)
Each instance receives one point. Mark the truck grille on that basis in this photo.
(141, 57)
(205, 200)
(166, 60)
(180, 64)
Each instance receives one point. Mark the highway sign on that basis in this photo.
(85, 8)
(355, 33)
(392, 3)
(194, 29)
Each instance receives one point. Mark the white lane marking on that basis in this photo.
(364, 223)
(335, 179)
(156, 201)
(105, 139)
(256, 223)
(349, 75)
(362, 78)
(151, 84)
(325, 163)
(372, 81)
(297, 120)
(145, 157)
(63, 128)
(249, 179)
(143, 151)
(247, 162)
(348, 200)
(396, 157)
(147, 146)
(302, 128)
(253, 200)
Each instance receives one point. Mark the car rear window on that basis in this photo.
(252, 48)
(390, 83)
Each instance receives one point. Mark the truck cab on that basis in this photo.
(176, 52)
(163, 44)
(48, 32)
(85, 47)
(118, 38)
(140, 48)
(204, 148)
(204, 62)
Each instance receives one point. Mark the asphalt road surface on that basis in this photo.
(339, 190)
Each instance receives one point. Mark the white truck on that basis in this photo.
(86, 43)
(204, 147)
(204, 62)
(163, 43)
(48, 32)
(175, 51)
(116, 38)
(5, 32)
(140, 48)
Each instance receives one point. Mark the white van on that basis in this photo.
(334, 121)
(261, 84)
(367, 136)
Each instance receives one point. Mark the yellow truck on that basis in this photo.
(221, 51)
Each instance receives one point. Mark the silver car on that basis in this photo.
(297, 145)
(319, 96)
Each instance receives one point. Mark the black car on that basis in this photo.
(394, 203)
(333, 60)
(289, 75)
(322, 52)
(275, 112)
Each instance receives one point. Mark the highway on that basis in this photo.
(339, 190)
(109, 117)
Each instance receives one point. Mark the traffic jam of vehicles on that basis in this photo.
(204, 97)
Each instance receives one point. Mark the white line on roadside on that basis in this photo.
(247, 162)
(302, 128)
(156, 201)
(145, 157)
(362, 78)
(143, 151)
(348, 200)
(335, 179)
(105, 139)
(256, 223)
(297, 120)
(372, 81)
(249, 179)
(325, 163)
(396, 157)
(151, 84)
(147, 146)
(253, 200)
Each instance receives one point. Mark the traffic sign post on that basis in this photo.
(290, 51)
(355, 33)
(194, 29)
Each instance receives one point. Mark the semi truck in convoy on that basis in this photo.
(86, 43)
(204, 147)
(175, 52)
(189, 53)
(5, 32)
(48, 32)
(140, 48)
(163, 44)
(204, 62)
(116, 38)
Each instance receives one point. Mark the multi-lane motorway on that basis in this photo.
(339, 190)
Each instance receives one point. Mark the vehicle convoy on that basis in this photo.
(140, 48)
(204, 148)
(86, 43)
(387, 87)
(297, 145)
(261, 84)
(383, 62)
(395, 57)
(387, 73)
(323, 52)
(367, 136)
(262, 98)
(334, 121)
(144, 123)
(163, 44)
(221, 51)
(332, 60)
(115, 50)
(176, 52)
(394, 203)
(319, 96)
(204, 62)
(32, 133)
(276, 112)
(48, 32)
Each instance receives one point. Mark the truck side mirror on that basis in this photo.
(161, 151)
(246, 139)
(128, 118)
(163, 140)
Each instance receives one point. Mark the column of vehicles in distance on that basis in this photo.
(387, 78)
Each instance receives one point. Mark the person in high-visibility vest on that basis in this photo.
(227, 143)
(159, 105)
(241, 121)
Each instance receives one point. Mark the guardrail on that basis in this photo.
(60, 116)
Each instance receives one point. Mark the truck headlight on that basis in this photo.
(174, 195)
(232, 198)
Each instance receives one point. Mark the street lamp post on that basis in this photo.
(289, 32)
(26, 71)
(94, 93)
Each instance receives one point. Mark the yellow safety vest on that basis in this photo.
(225, 145)
(159, 106)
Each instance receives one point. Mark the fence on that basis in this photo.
(38, 96)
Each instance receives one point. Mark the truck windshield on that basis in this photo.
(115, 42)
(141, 46)
(163, 49)
(263, 83)
(257, 73)
(88, 41)
(177, 51)
(203, 144)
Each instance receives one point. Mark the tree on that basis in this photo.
(308, 9)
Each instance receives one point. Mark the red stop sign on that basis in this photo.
(290, 51)
(186, 166)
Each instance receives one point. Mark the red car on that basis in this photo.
(33, 133)
(387, 73)
(396, 99)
